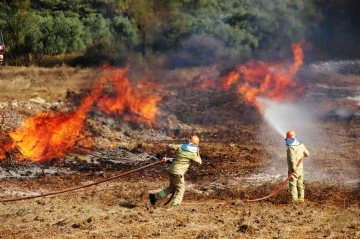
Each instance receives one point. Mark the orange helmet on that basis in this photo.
(194, 139)
(290, 134)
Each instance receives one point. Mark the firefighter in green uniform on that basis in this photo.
(186, 153)
(295, 152)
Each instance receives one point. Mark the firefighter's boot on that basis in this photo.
(152, 198)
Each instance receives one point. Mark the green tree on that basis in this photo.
(16, 19)
(247, 27)
(107, 8)
(79, 8)
(96, 28)
(141, 13)
(55, 34)
(209, 29)
(125, 29)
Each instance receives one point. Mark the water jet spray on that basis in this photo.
(284, 116)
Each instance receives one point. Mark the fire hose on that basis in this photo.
(79, 187)
(276, 191)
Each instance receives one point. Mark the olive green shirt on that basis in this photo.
(182, 160)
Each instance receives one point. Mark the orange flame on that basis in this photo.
(3, 150)
(49, 135)
(207, 79)
(270, 80)
(137, 104)
(207, 84)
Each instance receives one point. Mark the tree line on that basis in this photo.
(190, 32)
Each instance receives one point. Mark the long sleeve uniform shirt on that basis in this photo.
(183, 159)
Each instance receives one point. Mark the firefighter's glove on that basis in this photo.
(167, 160)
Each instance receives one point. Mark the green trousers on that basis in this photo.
(177, 185)
(297, 188)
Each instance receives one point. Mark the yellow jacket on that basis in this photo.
(183, 158)
(295, 152)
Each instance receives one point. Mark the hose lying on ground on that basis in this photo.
(276, 191)
(79, 187)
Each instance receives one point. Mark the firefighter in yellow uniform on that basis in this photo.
(186, 153)
(295, 152)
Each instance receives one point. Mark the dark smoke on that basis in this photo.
(197, 50)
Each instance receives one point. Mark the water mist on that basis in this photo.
(285, 116)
